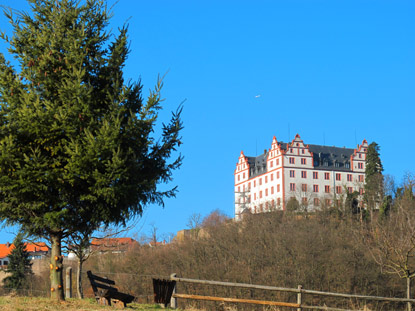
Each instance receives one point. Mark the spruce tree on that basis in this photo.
(19, 265)
(77, 142)
(373, 177)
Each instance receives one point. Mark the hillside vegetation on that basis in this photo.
(336, 249)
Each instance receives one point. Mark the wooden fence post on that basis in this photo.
(173, 300)
(68, 283)
(299, 298)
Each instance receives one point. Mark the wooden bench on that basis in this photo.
(105, 294)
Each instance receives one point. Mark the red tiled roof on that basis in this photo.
(5, 249)
(112, 243)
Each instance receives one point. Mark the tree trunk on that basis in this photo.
(79, 288)
(408, 292)
(56, 268)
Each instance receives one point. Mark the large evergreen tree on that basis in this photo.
(77, 146)
(373, 177)
(19, 265)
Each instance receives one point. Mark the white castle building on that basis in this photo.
(313, 174)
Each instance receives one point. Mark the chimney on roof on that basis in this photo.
(8, 244)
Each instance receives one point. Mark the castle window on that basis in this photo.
(349, 177)
(272, 190)
(243, 176)
(304, 187)
(360, 155)
(350, 189)
(266, 179)
(260, 194)
(347, 165)
(292, 161)
(337, 164)
(271, 164)
(292, 187)
(328, 202)
(254, 196)
(315, 188)
(315, 175)
(327, 189)
(302, 151)
(316, 202)
(260, 181)
(361, 191)
(360, 165)
(249, 185)
(303, 174)
(272, 177)
(278, 162)
(338, 176)
(254, 183)
(292, 173)
(338, 189)
(304, 200)
(239, 177)
(278, 188)
(327, 176)
(266, 192)
(361, 178)
(279, 201)
(278, 175)
(303, 161)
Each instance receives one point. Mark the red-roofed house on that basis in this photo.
(113, 245)
(36, 251)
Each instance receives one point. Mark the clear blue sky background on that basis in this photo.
(335, 72)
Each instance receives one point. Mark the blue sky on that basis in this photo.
(335, 72)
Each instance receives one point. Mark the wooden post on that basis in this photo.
(173, 300)
(299, 298)
(408, 291)
(68, 283)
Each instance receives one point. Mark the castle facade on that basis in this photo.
(314, 175)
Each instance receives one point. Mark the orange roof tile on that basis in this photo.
(112, 241)
(5, 249)
(112, 244)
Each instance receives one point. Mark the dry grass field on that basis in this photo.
(8, 303)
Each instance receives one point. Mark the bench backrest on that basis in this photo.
(99, 282)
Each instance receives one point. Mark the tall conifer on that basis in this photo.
(77, 145)
(373, 177)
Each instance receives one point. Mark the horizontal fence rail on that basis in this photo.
(292, 290)
(250, 301)
(299, 291)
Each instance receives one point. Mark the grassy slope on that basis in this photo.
(39, 304)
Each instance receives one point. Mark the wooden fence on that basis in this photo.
(299, 306)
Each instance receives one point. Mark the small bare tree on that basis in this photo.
(79, 243)
(391, 240)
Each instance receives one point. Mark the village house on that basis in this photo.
(36, 251)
